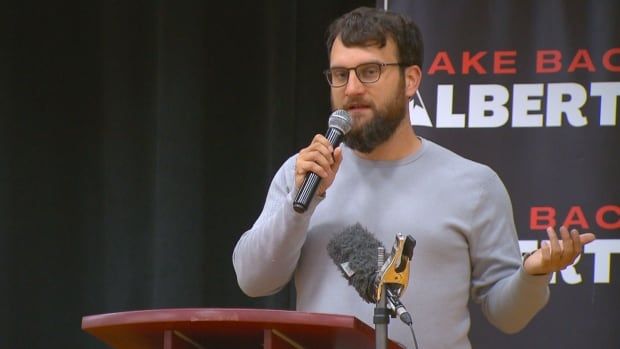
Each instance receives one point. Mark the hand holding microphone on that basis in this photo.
(318, 163)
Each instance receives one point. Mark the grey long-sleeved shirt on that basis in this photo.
(458, 211)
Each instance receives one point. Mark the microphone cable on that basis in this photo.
(402, 313)
(415, 342)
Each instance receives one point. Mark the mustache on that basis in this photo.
(357, 102)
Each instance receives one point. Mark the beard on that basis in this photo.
(367, 136)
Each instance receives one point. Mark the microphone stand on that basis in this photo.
(381, 317)
(396, 272)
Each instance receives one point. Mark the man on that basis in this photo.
(391, 181)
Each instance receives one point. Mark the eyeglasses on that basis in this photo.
(366, 73)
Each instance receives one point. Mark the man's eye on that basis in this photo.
(339, 74)
(370, 71)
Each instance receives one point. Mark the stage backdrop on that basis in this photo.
(531, 89)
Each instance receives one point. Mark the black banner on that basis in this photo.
(531, 89)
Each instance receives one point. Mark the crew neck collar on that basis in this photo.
(348, 152)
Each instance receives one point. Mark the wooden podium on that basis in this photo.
(229, 328)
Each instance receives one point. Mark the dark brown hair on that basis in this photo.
(366, 26)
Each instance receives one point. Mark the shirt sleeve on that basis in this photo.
(509, 297)
(266, 256)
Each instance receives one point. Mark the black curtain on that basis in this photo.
(137, 142)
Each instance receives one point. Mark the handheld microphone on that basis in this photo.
(338, 125)
(354, 251)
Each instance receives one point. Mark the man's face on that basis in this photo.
(377, 108)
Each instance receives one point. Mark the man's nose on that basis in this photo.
(354, 85)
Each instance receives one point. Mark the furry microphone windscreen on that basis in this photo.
(354, 251)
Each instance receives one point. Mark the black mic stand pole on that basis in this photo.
(381, 318)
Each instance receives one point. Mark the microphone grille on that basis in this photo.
(340, 120)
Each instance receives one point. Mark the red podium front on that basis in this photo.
(229, 328)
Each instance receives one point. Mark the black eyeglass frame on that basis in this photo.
(328, 72)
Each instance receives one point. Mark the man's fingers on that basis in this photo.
(574, 236)
(327, 181)
(317, 148)
(570, 246)
(586, 238)
(304, 167)
(322, 141)
(316, 156)
(568, 251)
(554, 245)
(556, 254)
(545, 252)
(576, 243)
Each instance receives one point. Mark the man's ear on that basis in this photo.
(413, 76)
